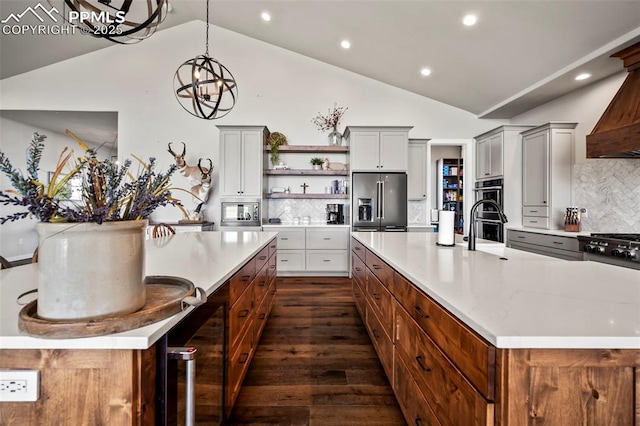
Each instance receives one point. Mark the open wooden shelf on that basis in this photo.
(304, 172)
(284, 195)
(310, 148)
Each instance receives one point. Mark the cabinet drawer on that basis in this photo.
(240, 314)
(381, 301)
(328, 238)
(535, 222)
(238, 364)
(546, 240)
(358, 298)
(260, 285)
(241, 280)
(290, 260)
(413, 404)
(358, 248)
(535, 211)
(291, 238)
(327, 260)
(261, 315)
(452, 398)
(474, 356)
(380, 269)
(381, 342)
(272, 268)
(261, 258)
(273, 246)
(358, 270)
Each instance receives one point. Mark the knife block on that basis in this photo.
(572, 227)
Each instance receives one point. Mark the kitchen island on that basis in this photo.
(112, 379)
(500, 337)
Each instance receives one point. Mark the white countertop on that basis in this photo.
(527, 301)
(558, 232)
(271, 226)
(207, 259)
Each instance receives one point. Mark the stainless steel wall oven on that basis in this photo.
(489, 225)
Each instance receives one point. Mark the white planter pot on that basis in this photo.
(89, 271)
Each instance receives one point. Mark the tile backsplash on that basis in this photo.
(417, 212)
(315, 209)
(610, 190)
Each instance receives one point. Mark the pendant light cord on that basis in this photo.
(206, 53)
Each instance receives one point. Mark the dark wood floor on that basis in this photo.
(315, 364)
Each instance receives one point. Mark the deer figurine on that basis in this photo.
(193, 173)
(201, 190)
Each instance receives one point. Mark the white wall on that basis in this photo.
(278, 88)
(609, 189)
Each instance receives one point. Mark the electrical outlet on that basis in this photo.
(584, 213)
(20, 241)
(19, 385)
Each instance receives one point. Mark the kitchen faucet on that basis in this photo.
(472, 215)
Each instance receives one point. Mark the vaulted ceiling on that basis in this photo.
(519, 55)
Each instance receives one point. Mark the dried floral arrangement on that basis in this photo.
(109, 192)
(331, 120)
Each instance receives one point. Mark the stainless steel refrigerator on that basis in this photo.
(379, 201)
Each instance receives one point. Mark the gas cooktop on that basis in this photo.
(625, 237)
(624, 247)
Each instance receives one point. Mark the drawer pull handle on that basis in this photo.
(376, 296)
(418, 421)
(357, 269)
(419, 312)
(284, 260)
(262, 257)
(376, 267)
(272, 266)
(284, 238)
(244, 356)
(534, 221)
(326, 238)
(558, 242)
(327, 260)
(375, 334)
(425, 369)
(261, 283)
(357, 248)
(261, 316)
(533, 211)
(243, 314)
(273, 246)
(520, 236)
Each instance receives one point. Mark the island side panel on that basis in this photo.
(88, 386)
(576, 386)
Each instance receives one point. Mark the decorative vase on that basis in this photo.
(316, 167)
(335, 137)
(90, 271)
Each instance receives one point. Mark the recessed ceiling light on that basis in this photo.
(425, 71)
(265, 16)
(470, 20)
(345, 44)
(583, 76)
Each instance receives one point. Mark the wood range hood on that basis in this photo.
(617, 133)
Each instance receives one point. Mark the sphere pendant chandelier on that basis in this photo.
(119, 21)
(204, 87)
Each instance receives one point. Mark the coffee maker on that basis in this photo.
(335, 214)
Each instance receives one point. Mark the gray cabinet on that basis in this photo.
(546, 170)
(241, 152)
(558, 246)
(489, 159)
(375, 149)
(417, 169)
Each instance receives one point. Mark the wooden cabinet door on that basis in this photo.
(495, 156)
(483, 169)
(365, 151)
(417, 171)
(535, 169)
(394, 147)
(251, 163)
(230, 162)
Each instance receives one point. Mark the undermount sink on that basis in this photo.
(499, 249)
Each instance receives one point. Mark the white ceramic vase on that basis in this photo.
(90, 271)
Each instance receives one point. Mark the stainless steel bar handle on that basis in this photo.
(378, 210)
(187, 354)
(382, 198)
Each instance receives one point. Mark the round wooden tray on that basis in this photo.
(164, 298)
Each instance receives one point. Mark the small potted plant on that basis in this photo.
(316, 162)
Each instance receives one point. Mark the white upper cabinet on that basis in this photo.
(241, 152)
(417, 171)
(378, 149)
(489, 159)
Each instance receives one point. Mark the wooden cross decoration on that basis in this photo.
(304, 187)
